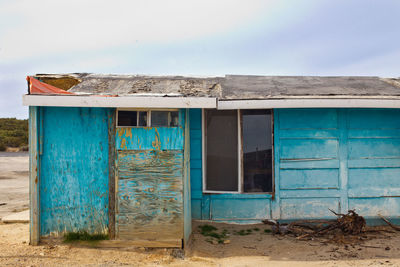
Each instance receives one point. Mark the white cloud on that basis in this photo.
(34, 28)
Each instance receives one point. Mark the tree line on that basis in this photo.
(13, 133)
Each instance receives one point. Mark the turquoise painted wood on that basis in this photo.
(335, 159)
(196, 163)
(74, 170)
(152, 166)
(156, 138)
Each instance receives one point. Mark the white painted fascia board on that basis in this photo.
(119, 102)
(308, 103)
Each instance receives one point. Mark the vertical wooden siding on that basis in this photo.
(74, 170)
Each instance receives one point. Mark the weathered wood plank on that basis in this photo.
(149, 196)
(187, 210)
(34, 176)
(74, 171)
(111, 172)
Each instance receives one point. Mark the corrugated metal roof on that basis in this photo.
(230, 87)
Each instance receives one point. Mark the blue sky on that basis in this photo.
(270, 37)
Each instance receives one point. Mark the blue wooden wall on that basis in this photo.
(74, 170)
(325, 159)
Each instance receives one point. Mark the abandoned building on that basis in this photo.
(140, 157)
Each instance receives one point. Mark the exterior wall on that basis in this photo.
(325, 159)
(73, 169)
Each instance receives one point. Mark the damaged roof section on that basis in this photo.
(135, 85)
(230, 87)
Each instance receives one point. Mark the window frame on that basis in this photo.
(148, 117)
(240, 156)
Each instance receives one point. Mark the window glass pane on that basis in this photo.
(159, 118)
(142, 118)
(257, 150)
(174, 119)
(222, 150)
(127, 118)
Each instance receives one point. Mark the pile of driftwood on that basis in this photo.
(345, 224)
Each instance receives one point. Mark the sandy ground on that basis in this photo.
(258, 248)
(14, 182)
(255, 249)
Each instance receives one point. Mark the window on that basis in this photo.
(222, 150)
(238, 151)
(147, 118)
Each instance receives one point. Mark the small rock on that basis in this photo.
(387, 248)
(142, 248)
(214, 242)
(23, 242)
(41, 254)
(227, 241)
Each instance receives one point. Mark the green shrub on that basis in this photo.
(13, 132)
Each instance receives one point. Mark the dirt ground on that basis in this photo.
(246, 245)
(256, 249)
(14, 182)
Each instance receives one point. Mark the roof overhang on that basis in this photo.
(309, 103)
(203, 102)
(119, 101)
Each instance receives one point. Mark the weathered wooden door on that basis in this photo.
(149, 183)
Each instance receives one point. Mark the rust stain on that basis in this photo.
(123, 144)
(128, 132)
(120, 132)
(36, 180)
(156, 143)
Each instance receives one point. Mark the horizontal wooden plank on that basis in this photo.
(371, 207)
(309, 193)
(373, 133)
(373, 148)
(312, 208)
(308, 148)
(309, 178)
(145, 138)
(308, 119)
(374, 163)
(374, 182)
(307, 133)
(373, 119)
(309, 164)
(240, 209)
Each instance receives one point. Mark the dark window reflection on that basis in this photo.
(257, 150)
(127, 118)
(222, 150)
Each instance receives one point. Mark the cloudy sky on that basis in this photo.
(205, 37)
